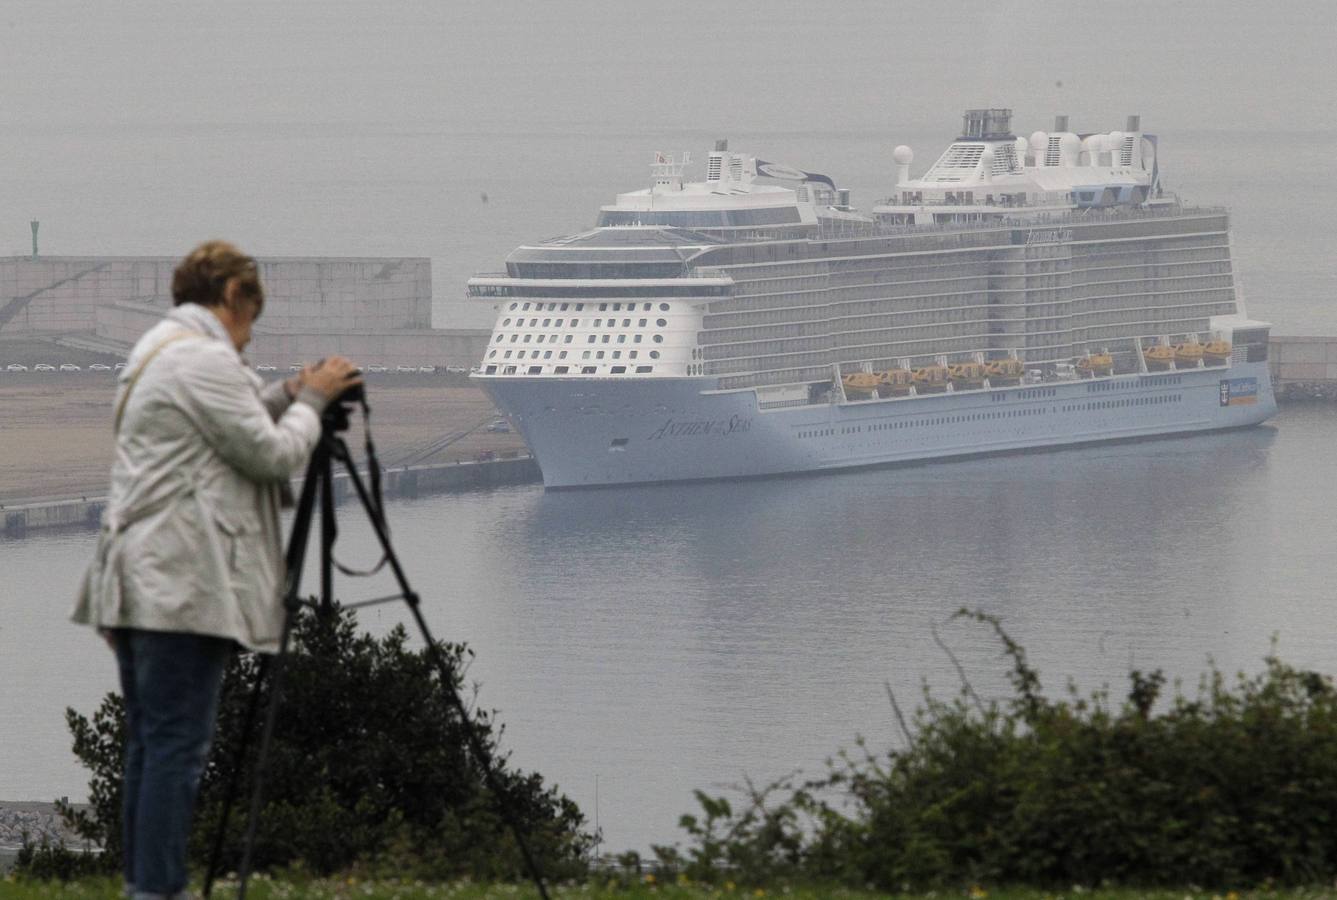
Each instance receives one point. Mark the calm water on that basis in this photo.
(660, 640)
(663, 639)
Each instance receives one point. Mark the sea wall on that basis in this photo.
(124, 321)
(375, 310)
(408, 481)
(1304, 368)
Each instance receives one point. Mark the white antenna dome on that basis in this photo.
(1115, 140)
(1069, 143)
(1039, 141)
(1021, 145)
(903, 155)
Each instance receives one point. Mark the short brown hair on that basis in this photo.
(206, 270)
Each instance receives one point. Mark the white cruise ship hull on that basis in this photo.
(588, 432)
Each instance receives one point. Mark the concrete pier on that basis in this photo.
(409, 481)
(1304, 368)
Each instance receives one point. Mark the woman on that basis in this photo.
(189, 561)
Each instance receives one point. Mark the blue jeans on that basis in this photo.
(170, 682)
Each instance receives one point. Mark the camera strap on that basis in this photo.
(376, 509)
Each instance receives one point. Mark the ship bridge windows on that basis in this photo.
(704, 218)
(586, 269)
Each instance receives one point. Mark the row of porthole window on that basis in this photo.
(621, 339)
(695, 369)
(575, 323)
(1029, 394)
(547, 354)
(1001, 414)
(590, 339)
(563, 370)
(580, 307)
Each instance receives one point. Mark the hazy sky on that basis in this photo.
(735, 65)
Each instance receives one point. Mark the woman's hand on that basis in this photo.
(330, 377)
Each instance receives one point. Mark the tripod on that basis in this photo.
(318, 485)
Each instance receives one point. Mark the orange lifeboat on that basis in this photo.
(1216, 353)
(860, 382)
(966, 374)
(894, 383)
(1188, 355)
(1096, 364)
(1158, 357)
(1003, 371)
(930, 378)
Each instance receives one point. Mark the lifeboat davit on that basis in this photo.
(1159, 357)
(1216, 353)
(930, 378)
(1096, 364)
(1188, 355)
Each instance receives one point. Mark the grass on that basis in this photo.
(264, 888)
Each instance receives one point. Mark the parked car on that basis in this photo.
(118, 367)
(501, 426)
(69, 367)
(427, 370)
(377, 370)
(16, 367)
(456, 370)
(43, 367)
(266, 368)
(99, 367)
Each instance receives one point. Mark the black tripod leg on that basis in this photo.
(316, 474)
(295, 557)
(480, 751)
(238, 762)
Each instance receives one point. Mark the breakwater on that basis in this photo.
(406, 481)
(1304, 368)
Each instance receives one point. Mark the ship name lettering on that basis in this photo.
(736, 424)
(1048, 235)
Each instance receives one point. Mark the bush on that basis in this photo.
(369, 767)
(1235, 786)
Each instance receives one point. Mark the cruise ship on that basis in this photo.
(1022, 293)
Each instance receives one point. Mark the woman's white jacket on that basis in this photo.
(190, 536)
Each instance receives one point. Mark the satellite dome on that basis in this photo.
(903, 155)
(1039, 141)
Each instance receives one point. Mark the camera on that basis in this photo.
(335, 417)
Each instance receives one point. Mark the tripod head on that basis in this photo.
(335, 417)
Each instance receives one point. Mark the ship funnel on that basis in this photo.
(1060, 123)
(721, 145)
(1134, 123)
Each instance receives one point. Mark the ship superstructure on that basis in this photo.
(760, 313)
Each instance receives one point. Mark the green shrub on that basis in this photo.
(369, 767)
(1235, 786)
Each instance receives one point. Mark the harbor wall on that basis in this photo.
(1303, 367)
(374, 310)
(124, 321)
(405, 482)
